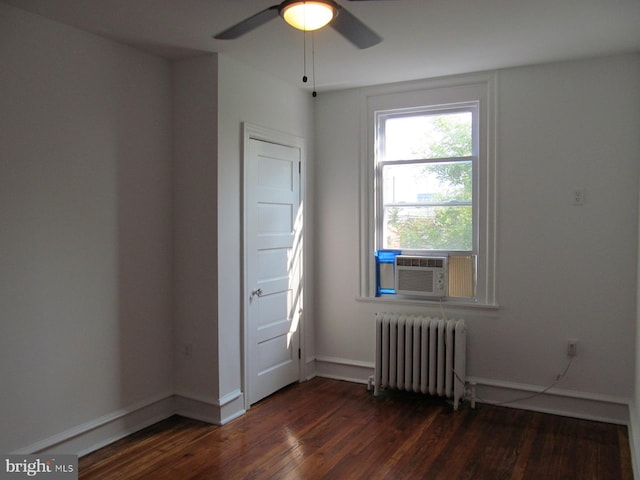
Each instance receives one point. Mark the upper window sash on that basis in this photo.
(381, 118)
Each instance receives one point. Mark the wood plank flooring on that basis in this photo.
(328, 429)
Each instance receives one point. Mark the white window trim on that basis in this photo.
(459, 89)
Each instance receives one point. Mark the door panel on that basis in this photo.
(272, 206)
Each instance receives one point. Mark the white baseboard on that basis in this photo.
(217, 412)
(231, 407)
(309, 369)
(556, 401)
(95, 434)
(104, 430)
(634, 439)
(343, 369)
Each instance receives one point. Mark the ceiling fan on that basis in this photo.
(307, 16)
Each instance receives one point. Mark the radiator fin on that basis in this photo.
(420, 354)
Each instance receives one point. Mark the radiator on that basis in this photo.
(420, 354)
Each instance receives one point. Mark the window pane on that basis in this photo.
(429, 228)
(428, 136)
(427, 183)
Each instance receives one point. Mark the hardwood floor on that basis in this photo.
(337, 430)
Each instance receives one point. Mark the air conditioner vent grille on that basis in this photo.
(426, 262)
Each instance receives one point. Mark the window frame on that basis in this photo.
(446, 95)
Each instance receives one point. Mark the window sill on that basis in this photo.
(436, 304)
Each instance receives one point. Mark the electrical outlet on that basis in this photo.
(572, 347)
(578, 197)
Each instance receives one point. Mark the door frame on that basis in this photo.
(250, 132)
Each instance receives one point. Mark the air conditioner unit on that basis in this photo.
(421, 276)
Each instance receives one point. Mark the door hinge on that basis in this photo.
(299, 167)
(299, 354)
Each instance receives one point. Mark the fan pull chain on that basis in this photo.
(313, 63)
(313, 60)
(304, 56)
(304, 36)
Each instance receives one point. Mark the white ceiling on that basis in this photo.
(422, 38)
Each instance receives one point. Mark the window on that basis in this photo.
(429, 178)
(424, 169)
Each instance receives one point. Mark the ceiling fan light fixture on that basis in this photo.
(308, 15)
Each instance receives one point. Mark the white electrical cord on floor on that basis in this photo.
(519, 399)
(527, 397)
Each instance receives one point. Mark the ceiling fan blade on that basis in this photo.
(354, 30)
(248, 24)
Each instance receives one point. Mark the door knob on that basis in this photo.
(256, 293)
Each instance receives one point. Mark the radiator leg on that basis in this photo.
(370, 383)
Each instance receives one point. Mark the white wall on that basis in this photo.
(634, 407)
(195, 110)
(247, 95)
(563, 271)
(85, 202)
(213, 96)
(121, 216)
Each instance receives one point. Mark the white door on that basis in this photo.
(273, 254)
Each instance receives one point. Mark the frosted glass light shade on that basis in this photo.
(305, 15)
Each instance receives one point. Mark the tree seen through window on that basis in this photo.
(427, 178)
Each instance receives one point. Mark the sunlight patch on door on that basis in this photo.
(295, 276)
